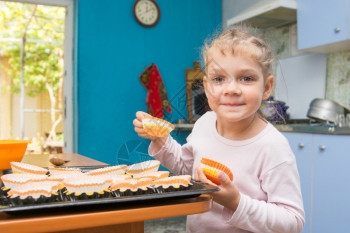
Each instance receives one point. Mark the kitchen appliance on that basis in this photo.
(325, 110)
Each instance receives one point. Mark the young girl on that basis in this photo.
(265, 195)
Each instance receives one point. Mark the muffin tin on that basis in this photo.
(197, 188)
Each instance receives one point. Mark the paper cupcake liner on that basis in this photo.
(114, 170)
(132, 187)
(59, 170)
(152, 175)
(143, 167)
(19, 167)
(157, 127)
(110, 178)
(34, 190)
(132, 184)
(174, 181)
(212, 168)
(12, 180)
(123, 185)
(64, 175)
(212, 176)
(172, 184)
(86, 184)
(188, 178)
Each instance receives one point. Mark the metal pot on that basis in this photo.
(325, 110)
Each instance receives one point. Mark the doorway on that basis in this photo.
(36, 101)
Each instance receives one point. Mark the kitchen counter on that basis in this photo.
(314, 129)
(293, 127)
(43, 160)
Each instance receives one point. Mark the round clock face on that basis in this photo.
(146, 12)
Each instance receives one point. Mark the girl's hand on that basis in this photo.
(158, 142)
(138, 125)
(228, 195)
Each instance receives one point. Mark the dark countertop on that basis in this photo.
(294, 126)
(315, 129)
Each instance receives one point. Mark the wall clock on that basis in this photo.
(146, 12)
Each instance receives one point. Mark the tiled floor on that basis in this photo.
(171, 225)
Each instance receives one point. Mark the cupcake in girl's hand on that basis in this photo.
(157, 127)
(212, 168)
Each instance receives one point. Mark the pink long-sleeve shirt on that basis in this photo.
(265, 173)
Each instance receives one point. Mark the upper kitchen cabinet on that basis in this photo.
(259, 13)
(323, 26)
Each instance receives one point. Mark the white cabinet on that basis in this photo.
(323, 26)
(323, 163)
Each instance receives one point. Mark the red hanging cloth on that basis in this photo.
(157, 99)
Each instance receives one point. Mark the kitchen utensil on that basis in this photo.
(325, 110)
(57, 161)
(11, 150)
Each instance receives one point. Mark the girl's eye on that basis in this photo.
(218, 79)
(246, 79)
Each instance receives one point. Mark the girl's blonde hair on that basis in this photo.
(241, 40)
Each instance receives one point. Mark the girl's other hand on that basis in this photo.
(158, 142)
(228, 195)
(138, 125)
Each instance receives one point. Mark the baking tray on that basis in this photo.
(195, 190)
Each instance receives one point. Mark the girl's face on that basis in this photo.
(235, 86)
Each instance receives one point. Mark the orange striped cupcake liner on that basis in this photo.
(212, 168)
(156, 126)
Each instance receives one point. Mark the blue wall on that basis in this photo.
(113, 50)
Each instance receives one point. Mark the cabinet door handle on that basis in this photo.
(322, 147)
(301, 145)
(336, 30)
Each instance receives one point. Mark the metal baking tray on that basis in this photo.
(195, 190)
